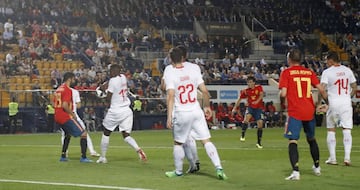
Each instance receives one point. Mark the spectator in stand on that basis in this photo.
(66, 53)
(127, 32)
(90, 51)
(8, 34)
(74, 36)
(85, 38)
(55, 73)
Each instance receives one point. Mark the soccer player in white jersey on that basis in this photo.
(119, 113)
(77, 104)
(190, 147)
(184, 112)
(341, 85)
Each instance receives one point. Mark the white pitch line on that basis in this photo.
(70, 184)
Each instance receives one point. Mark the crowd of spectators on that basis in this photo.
(41, 29)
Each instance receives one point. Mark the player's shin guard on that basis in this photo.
(259, 135)
(65, 146)
(347, 140)
(179, 155)
(83, 144)
(314, 150)
(188, 153)
(331, 144)
(243, 129)
(294, 156)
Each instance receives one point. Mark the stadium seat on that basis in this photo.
(12, 86)
(58, 57)
(12, 80)
(67, 66)
(60, 65)
(5, 99)
(20, 87)
(46, 65)
(47, 73)
(53, 65)
(27, 87)
(26, 80)
(39, 65)
(19, 80)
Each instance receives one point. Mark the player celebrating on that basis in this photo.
(254, 94)
(119, 114)
(295, 85)
(340, 83)
(184, 112)
(67, 119)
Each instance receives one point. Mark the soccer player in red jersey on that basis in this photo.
(295, 85)
(65, 117)
(254, 95)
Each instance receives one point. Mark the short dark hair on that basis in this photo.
(251, 78)
(295, 55)
(183, 49)
(333, 56)
(68, 75)
(176, 55)
(115, 69)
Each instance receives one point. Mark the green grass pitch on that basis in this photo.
(31, 161)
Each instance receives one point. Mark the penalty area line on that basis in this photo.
(70, 184)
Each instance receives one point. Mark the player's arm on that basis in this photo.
(170, 99)
(320, 96)
(104, 86)
(261, 96)
(162, 85)
(206, 100)
(353, 89)
(321, 87)
(67, 108)
(108, 99)
(237, 103)
(283, 93)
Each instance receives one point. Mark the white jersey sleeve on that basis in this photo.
(75, 98)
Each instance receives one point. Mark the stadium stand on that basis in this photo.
(43, 39)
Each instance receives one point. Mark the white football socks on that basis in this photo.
(90, 144)
(179, 155)
(188, 152)
(131, 141)
(331, 143)
(213, 154)
(347, 140)
(104, 145)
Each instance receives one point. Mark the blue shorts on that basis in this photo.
(256, 113)
(293, 128)
(73, 128)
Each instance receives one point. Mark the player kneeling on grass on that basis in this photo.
(184, 112)
(119, 113)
